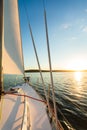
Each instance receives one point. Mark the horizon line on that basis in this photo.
(55, 70)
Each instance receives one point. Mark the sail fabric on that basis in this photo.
(12, 48)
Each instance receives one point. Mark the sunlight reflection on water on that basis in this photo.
(78, 76)
(70, 92)
(78, 83)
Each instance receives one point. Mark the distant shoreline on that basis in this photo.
(36, 70)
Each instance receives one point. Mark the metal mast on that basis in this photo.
(1, 41)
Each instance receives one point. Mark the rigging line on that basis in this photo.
(44, 4)
(39, 67)
(65, 118)
(23, 95)
(50, 66)
(37, 59)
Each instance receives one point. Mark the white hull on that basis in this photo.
(23, 113)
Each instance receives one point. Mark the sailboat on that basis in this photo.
(21, 108)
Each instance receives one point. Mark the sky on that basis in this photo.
(67, 30)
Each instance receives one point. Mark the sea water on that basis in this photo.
(70, 94)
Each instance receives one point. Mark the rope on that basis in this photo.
(37, 60)
(23, 95)
(51, 76)
(69, 125)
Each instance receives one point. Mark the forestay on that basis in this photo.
(12, 48)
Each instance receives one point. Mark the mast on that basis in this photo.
(1, 41)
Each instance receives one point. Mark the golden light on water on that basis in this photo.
(78, 86)
(78, 76)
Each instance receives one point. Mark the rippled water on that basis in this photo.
(70, 92)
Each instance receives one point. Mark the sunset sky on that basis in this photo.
(67, 27)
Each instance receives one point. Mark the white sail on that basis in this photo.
(12, 48)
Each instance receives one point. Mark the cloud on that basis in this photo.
(74, 38)
(66, 26)
(84, 29)
(86, 10)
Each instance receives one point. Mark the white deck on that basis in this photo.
(13, 109)
(38, 117)
(11, 113)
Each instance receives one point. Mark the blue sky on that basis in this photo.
(67, 27)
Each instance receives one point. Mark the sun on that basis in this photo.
(77, 64)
